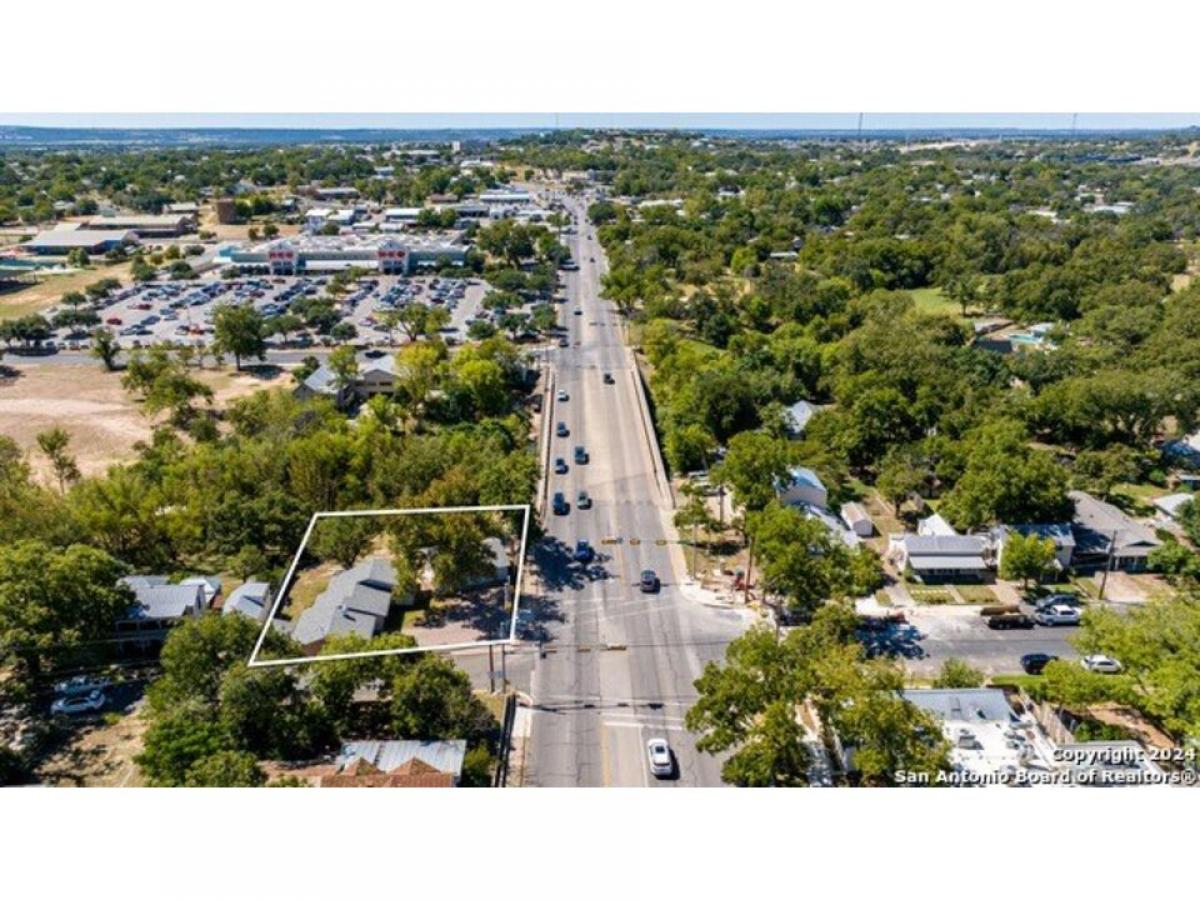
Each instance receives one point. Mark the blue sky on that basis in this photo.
(823, 121)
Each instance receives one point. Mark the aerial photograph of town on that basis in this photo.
(506, 398)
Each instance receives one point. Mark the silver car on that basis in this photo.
(658, 752)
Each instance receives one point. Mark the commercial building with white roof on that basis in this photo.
(386, 254)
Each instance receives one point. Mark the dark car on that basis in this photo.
(560, 466)
(578, 311)
(1034, 663)
(649, 582)
(584, 552)
(583, 501)
(559, 504)
(581, 456)
(1010, 620)
(608, 379)
(563, 342)
(561, 430)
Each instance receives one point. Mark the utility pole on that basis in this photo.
(1112, 543)
(491, 668)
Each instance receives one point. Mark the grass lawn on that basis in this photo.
(36, 297)
(977, 593)
(307, 586)
(932, 300)
(1138, 497)
(931, 596)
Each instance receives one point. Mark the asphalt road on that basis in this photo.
(618, 665)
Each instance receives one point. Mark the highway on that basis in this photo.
(618, 665)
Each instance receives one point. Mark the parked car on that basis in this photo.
(658, 752)
(649, 582)
(82, 684)
(1056, 600)
(1010, 620)
(563, 396)
(563, 342)
(559, 504)
(1098, 662)
(584, 552)
(1057, 615)
(1034, 663)
(92, 701)
(581, 455)
(583, 501)
(560, 466)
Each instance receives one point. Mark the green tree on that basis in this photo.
(1026, 558)
(226, 768)
(343, 538)
(54, 444)
(177, 740)
(434, 699)
(956, 673)
(239, 330)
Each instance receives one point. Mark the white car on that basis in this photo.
(1098, 662)
(81, 684)
(659, 753)
(1057, 615)
(563, 396)
(73, 706)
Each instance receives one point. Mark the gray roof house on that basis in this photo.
(375, 376)
(962, 704)
(158, 605)
(797, 415)
(250, 599)
(943, 557)
(211, 585)
(1103, 533)
(356, 601)
(1060, 533)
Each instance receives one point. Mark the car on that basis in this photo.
(1033, 663)
(608, 378)
(1057, 615)
(560, 466)
(1010, 620)
(561, 430)
(563, 342)
(92, 701)
(649, 582)
(1056, 600)
(581, 456)
(583, 501)
(584, 552)
(658, 752)
(577, 312)
(559, 504)
(563, 397)
(1098, 662)
(81, 684)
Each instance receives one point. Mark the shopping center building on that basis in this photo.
(386, 254)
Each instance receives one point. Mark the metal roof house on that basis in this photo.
(356, 601)
(251, 599)
(1172, 504)
(1104, 535)
(375, 376)
(932, 558)
(158, 606)
(857, 519)
(797, 415)
(804, 486)
(397, 764)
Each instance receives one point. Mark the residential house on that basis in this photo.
(210, 584)
(375, 376)
(833, 525)
(940, 558)
(393, 764)
(857, 519)
(1104, 535)
(803, 487)
(251, 599)
(797, 415)
(356, 601)
(1060, 533)
(158, 606)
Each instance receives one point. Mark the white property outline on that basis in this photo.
(255, 662)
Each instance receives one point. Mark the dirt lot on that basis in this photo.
(104, 423)
(98, 755)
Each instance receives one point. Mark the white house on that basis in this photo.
(804, 487)
(1060, 533)
(251, 599)
(935, 526)
(933, 558)
(1172, 504)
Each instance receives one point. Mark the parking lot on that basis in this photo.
(182, 311)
